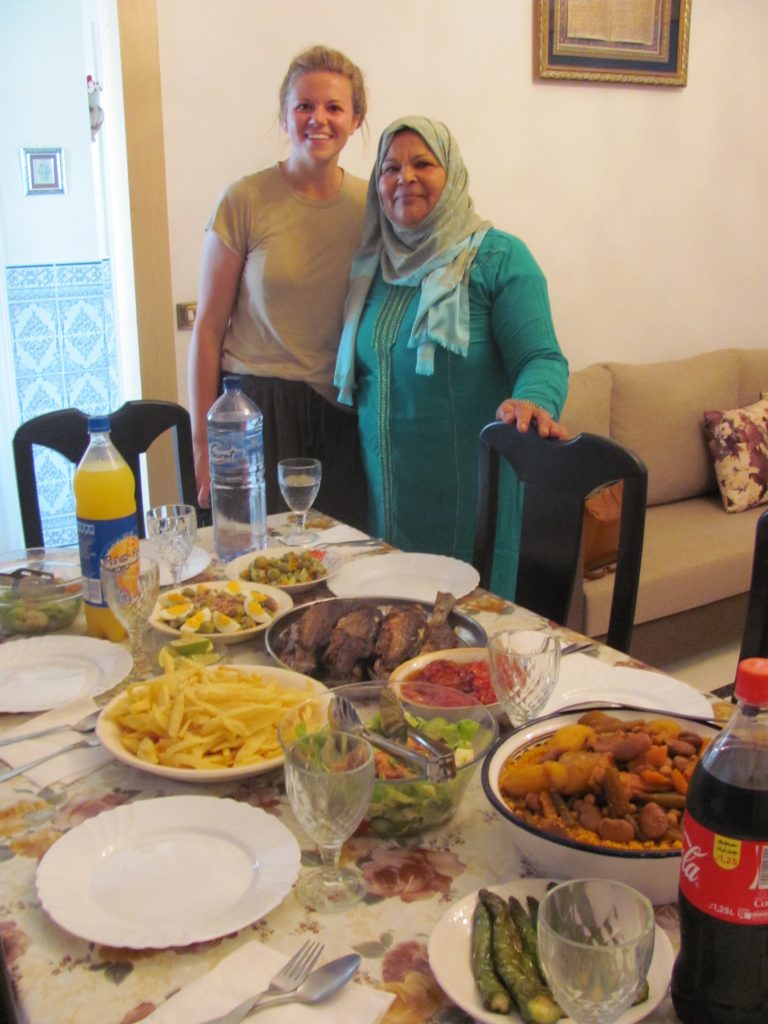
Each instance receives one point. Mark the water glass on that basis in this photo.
(524, 666)
(172, 529)
(299, 481)
(131, 590)
(329, 780)
(596, 945)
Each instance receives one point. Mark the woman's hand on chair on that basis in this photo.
(523, 412)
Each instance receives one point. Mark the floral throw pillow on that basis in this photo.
(738, 443)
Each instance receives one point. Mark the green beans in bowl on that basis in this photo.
(403, 802)
(40, 591)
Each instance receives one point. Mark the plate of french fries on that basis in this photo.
(204, 723)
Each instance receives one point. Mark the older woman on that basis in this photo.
(445, 318)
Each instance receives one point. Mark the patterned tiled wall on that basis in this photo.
(62, 332)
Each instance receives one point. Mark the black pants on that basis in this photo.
(300, 423)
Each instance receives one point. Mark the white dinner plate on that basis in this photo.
(168, 872)
(414, 576)
(109, 733)
(283, 601)
(449, 950)
(198, 561)
(44, 672)
(330, 560)
(583, 678)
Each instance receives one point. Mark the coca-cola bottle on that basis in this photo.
(721, 973)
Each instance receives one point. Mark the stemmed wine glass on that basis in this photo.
(524, 666)
(131, 590)
(596, 945)
(329, 779)
(172, 530)
(299, 481)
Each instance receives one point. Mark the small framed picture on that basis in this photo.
(43, 171)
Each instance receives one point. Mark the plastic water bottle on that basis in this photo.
(236, 457)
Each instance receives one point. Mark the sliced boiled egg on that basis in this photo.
(194, 622)
(255, 610)
(176, 611)
(224, 623)
(233, 587)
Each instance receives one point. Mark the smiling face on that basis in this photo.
(319, 116)
(411, 179)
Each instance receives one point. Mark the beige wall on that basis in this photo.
(647, 207)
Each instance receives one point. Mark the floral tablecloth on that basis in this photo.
(60, 979)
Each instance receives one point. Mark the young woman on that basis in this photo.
(274, 274)
(446, 318)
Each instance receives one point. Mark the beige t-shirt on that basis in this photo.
(287, 317)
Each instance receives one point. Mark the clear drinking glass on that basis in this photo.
(131, 591)
(596, 945)
(299, 481)
(329, 780)
(172, 529)
(524, 667)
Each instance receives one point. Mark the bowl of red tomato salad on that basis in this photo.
(462, 674)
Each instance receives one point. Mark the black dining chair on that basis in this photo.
(8, 1014)
(754, 641)
(557, 477)
(134, 426)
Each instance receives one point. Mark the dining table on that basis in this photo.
(411, 882)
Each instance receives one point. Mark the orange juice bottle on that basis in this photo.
(106, 522)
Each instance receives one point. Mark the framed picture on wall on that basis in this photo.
(43, 171)
(628, 41)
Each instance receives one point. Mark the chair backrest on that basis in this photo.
(754, 642)
(558, 476)
(134, 426)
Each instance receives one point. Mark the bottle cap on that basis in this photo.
(98, 424)
(752, 680)
(232, 382)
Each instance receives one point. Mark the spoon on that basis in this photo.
(91, 741)
(321, 984)
(87, 724)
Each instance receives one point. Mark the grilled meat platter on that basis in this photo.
(349, 639)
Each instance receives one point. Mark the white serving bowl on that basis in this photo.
(653, 872)
(412, 671)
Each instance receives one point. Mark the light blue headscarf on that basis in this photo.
(437, 254)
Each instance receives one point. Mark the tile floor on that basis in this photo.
(707, 670)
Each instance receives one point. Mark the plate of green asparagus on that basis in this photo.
(470, 970)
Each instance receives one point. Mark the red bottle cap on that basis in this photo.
(752, 680)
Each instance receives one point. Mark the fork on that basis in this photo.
(91, 741)
(287, 979)
(87, 724)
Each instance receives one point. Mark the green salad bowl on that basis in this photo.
(411, 804)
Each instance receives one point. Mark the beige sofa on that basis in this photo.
(695, 554)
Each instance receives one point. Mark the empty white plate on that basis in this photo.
(44, 672)
(168, 872)
(413, 575)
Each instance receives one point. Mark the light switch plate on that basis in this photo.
(185, 315)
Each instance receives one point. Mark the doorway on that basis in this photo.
(80, 243)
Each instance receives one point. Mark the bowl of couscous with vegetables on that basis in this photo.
(599, 793)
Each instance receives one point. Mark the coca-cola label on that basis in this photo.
(724, 877)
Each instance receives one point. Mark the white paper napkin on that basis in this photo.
(65, 768)
(246, 972)
(336, 534)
